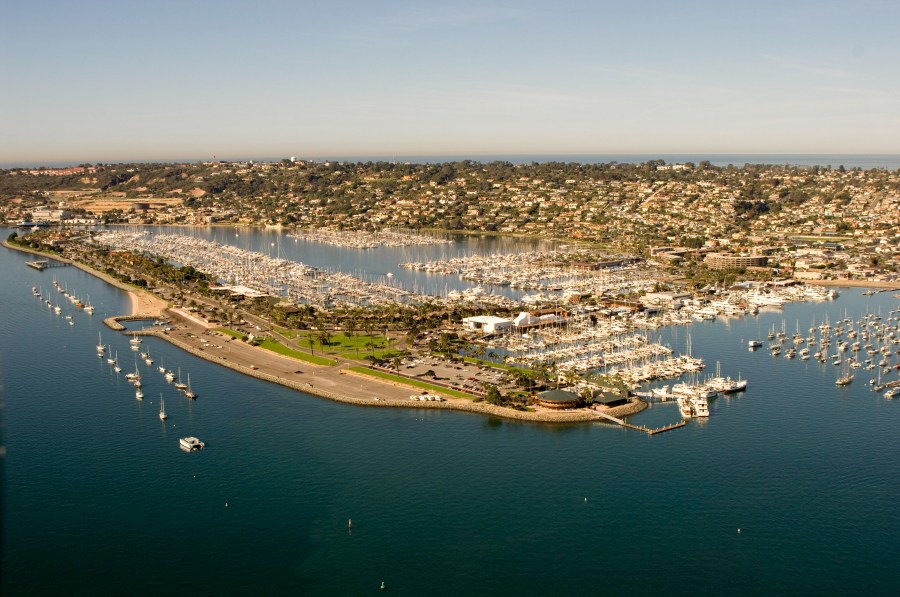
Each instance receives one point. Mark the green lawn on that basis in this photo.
(296, 354)
(357, 346)
(410, 382)
(233, 333)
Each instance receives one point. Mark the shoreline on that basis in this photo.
(331, 382)
(855, 283)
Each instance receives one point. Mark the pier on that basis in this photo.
(42, 264)
(646, 430)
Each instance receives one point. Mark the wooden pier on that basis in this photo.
(646, 430)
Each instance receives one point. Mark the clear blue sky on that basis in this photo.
(123, 80)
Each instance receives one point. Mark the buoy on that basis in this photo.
(226, 504)
(382, 585)
(739, 530)
(350, 523)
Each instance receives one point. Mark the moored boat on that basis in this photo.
(190, 443)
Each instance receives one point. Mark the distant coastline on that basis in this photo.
(850, 160)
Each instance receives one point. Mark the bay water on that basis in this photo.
(790, 487)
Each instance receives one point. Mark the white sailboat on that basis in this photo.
(162, 408)
(116, 367)
(110, 359)
(178, 383)
(188, 393)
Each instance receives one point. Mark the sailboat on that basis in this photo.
(178, 383)
(147, 358)
(89, 308)
(136, 376)
(844, 379)
(162, 367)
(110, 359)
(188, 393)
(101, 348)
(162, 408)
(116, 367)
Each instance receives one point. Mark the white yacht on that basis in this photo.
(684, 407)
(700, 406)
(190, 443)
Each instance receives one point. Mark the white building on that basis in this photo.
(486, 324)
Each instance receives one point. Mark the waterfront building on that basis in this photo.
(557, 399)
(487, 324)
(734, 261)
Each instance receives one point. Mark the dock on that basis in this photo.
(42, 264)
(646, 430)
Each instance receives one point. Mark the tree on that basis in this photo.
(492, 395)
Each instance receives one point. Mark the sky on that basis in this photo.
(96, 81)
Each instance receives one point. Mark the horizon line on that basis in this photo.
(411, 157)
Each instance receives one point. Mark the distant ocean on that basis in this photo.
(865, 161)
(859, 160)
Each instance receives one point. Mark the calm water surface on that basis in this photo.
(98, 499)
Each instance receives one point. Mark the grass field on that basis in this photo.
(357, 346)
(410, 382)
(233, 333)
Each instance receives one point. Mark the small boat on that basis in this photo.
(754, 343)
(135, 341)
(139, 394)
(162, 408)
(190, 443)
(843, 380)
(170, 376)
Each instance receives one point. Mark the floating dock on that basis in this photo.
(646, 430)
